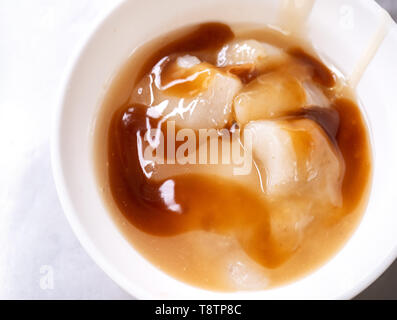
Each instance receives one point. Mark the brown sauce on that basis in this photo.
(215, 226)
(320, 72)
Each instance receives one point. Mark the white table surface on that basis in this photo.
(40, 258)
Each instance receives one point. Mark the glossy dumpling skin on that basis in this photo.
(192, 93)
(269, 96)
(274, 95)
(302, 175)
(250, 52)
(297, 159)
(225, 165)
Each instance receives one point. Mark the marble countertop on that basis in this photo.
(40, 258)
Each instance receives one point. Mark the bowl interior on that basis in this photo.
(341, 30)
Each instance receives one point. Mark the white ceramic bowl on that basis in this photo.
(341, 30)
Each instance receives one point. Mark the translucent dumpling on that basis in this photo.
(270, 95)
(218, 156)
(297, 159)
(276, 94)
(193, 94)
(250, 52)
